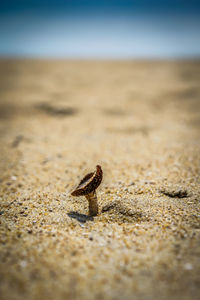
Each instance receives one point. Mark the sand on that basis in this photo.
(140, 121)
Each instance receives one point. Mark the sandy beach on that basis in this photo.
(139, 120)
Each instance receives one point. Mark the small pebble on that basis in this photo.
(23, 263)
(188, 266)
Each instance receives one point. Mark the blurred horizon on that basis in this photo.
(100, 29)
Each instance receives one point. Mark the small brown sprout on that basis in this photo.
(87, 187)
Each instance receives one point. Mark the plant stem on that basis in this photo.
(93, 204)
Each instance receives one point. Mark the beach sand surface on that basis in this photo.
(139, 120)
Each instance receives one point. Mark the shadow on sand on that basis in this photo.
(80, 217)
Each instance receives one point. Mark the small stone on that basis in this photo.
(188, 266)
(23, 263)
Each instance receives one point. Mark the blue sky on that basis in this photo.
(100, 29)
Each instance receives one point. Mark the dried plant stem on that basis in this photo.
(93, 204)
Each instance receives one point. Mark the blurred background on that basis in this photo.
(100, 29)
